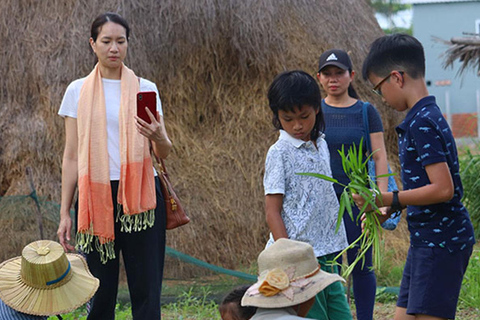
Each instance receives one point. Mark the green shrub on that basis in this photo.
(383, 296)
(469, 172)
(391, 271)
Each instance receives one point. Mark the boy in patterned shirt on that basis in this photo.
(299, 207)
(441, 233)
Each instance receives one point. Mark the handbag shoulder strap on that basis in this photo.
(159, 164)
(366, 126)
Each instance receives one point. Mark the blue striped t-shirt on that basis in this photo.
(7, 313)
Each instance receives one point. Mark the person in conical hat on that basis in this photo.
(289, 279)
(44, 281)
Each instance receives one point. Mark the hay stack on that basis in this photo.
(212, 62)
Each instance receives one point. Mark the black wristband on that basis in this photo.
(395, 202)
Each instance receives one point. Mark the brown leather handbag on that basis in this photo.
(176, 215)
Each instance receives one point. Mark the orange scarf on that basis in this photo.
(136, 190)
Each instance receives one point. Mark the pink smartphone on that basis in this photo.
(146, 99)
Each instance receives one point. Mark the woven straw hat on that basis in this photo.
(289, 275)
(45, 280)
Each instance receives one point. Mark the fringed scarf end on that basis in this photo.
(105, 247)
(84, 242)
(137, 222)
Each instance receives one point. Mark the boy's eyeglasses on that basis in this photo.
(377, 89)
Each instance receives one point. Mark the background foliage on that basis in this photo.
(470, 173)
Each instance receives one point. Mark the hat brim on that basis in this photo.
(333, 63)
(46, 302)
(319, 281)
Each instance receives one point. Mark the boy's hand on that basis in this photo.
(383, 216)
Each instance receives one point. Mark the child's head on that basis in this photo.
(395, 52)
(230, 308)
(292, 96)
(288, 276)
(395, 66)
(335, 64)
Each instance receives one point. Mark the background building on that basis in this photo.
(458, 95)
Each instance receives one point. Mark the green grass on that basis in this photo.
(190, 306)
(470, 293)
(390, 272)
(121, 313)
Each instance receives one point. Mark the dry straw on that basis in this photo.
(212, 62)
(465, 50)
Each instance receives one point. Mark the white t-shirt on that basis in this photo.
(111, 89)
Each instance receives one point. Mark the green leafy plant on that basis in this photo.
(356, 168)
(383, 296)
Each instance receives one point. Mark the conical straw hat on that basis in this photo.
(45, 280)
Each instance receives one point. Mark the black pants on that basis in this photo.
(143, 255)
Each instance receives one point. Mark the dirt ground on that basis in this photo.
(385, 311)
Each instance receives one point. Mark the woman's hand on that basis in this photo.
(64, 232)
(153, 131)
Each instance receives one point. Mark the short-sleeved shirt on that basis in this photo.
(310, 206)
(112, 92)
(425, 138)
(344, 126)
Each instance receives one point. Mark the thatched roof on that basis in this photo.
(212, 62)
(464, 49)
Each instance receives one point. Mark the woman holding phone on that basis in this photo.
(107, 155)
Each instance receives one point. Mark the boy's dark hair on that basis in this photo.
(295, 89)
(400, 52)
(232, 304)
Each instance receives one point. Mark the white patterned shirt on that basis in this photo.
(310, 206)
